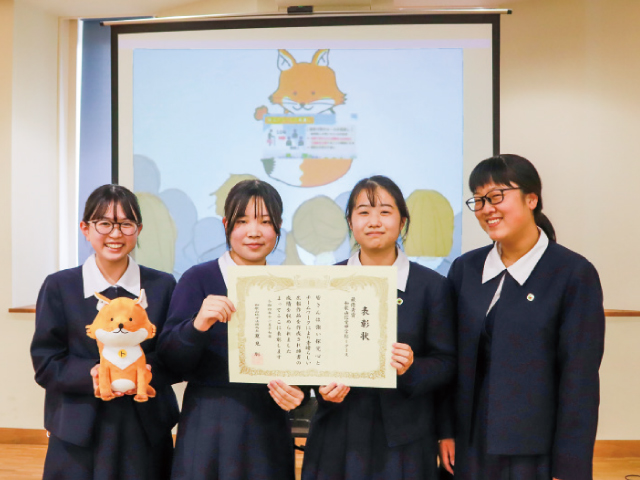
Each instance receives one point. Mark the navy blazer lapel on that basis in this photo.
(484, 291)
(487, 292)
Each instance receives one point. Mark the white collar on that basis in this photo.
(224, 262)
(520, 270)
(402, 262)
(93, 281)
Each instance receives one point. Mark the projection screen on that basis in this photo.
(310, 105)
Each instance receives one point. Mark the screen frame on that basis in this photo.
(304, 21)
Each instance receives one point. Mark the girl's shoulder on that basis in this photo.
(565, 255)
(68, 276)
(205, 268)
(203, 273)
(565, 262)
(422, 273)
(153, 275)
(472, 260)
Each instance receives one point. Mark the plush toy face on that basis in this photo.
(121, 322)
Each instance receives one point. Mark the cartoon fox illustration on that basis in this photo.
(308, 144)
(305, 88)
(120, 326)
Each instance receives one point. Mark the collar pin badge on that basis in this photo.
(400, 301)
(530, 297)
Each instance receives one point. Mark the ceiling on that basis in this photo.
(122, 8)
(105, 8)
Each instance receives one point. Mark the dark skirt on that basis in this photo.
(120, 449)
(472, 461)
(349, 443)
(232, 433)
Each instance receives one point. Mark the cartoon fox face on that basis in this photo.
(121, 322)
(307, 88)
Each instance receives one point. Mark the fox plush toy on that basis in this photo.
(120, 327)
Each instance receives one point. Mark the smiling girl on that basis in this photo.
(388, 434)
(228, 431)
(91, 438)
(531, 337)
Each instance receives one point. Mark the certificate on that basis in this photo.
(311, 325)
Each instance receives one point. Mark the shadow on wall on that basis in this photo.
(174, 239)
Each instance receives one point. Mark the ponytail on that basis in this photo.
(545, 224)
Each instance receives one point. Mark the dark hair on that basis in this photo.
(239, 197)
(370, 185)
(102, 197)
(509, 169)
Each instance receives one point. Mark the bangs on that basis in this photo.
(115, 198)
(370, 188)
(492, 170)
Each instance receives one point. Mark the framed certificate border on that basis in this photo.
(380, 282)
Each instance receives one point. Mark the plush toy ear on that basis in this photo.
(142, 299)
(102, 301)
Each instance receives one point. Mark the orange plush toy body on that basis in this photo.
(120, 327)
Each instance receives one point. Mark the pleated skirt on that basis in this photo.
(349, 443)
(232, 433)
(120, 450)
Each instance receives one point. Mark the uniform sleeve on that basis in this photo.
(56, 369)
(161, 373)
(437, 369)
(180, 344)
(445, 399)
(580, 349)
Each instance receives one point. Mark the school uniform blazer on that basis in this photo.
(63, 355)
(201, 357)
(426, 323)
(546, 348)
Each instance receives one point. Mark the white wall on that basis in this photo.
(571, 103)
(28, 171)
(34, 164)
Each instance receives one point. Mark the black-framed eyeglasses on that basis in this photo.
(494, 197)
(105, 227)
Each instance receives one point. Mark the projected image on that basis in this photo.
(306, 144)
(312, 122)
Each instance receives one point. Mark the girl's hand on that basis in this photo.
(95, 370)
(448, 454)
(401, 357)
(215, 308)
(286, 396)
(334, 392)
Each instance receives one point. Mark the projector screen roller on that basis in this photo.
(310, 106)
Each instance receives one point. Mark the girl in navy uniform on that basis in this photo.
(531, 335)
(227, 431)
(388, 434)
(90, 438)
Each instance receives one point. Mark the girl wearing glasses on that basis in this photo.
(388, 434)
(531, 335)
(227, 431)
(91, 438)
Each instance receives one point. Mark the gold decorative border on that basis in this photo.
(347, 284)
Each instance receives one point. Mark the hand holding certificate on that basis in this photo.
(313, 325)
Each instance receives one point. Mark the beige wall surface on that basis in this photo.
(570, 103)
(28, 173)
